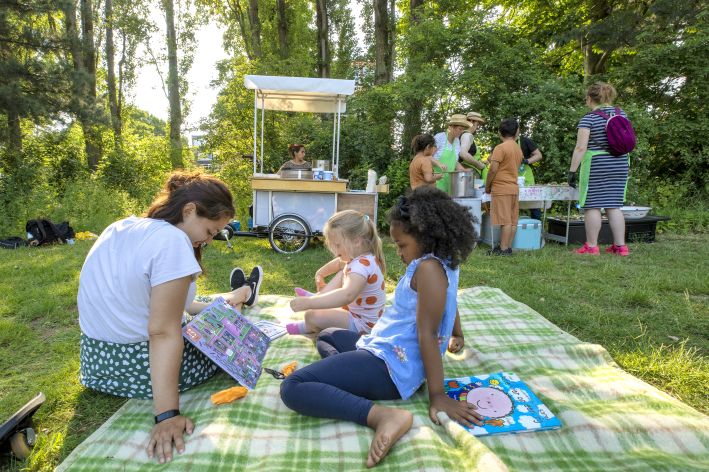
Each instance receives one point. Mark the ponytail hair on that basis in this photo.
(351, 226)
(602, 93)
(210, 196)
(421, 142)
(293, 149)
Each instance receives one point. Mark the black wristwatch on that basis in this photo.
(166, 415)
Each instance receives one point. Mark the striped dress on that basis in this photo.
(609, 173)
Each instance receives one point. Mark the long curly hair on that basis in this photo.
(439, 225)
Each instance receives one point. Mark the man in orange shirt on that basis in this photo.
(501, 184)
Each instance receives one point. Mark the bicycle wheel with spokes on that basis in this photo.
(289, 234)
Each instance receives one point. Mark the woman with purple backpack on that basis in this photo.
(601, 160)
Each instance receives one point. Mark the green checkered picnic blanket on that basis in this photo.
(611, 420)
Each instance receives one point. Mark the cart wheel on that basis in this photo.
(289, 234)
(20, 445)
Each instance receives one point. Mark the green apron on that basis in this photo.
(526, 171)
(448, 158)
(584, 173)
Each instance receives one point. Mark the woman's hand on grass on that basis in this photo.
(165, 434)
(461, 412)
(456, 344)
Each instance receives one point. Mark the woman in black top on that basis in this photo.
(297, 159)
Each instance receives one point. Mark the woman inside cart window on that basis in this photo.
(297, 159)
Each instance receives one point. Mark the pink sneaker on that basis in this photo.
(622, 251)
(301, 292)
(586, 249)
(618, 250)
(294, 328)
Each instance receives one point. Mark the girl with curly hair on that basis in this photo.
(433, 235)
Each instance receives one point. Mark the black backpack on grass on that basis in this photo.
(42, 232)
(12, 243)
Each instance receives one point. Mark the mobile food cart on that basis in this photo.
(291, 211)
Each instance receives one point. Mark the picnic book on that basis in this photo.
(506, 403)
(230, 340)
(271, 329)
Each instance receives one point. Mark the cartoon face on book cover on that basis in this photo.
(230, 340)
(505, 401)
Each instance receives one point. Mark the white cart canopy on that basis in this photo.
(301, 94)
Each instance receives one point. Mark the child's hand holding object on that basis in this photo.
(462, 412)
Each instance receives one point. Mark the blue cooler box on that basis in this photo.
(528, 235)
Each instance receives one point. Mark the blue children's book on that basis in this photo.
(230, 340)
(507, 404)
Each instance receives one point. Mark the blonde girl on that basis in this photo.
(354, 298)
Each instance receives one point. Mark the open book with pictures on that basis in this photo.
(507, 404)
(224, 335)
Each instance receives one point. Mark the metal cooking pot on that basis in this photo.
(461, 184)
(296, 174)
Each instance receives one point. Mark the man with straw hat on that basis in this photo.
(448, 149)
(469, 155)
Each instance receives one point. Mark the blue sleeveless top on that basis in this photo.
(394, 338)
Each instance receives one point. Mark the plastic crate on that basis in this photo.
(639, 230)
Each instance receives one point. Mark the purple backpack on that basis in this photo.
(620, 132)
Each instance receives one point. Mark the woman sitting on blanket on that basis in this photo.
(136, 282)
(433, 236)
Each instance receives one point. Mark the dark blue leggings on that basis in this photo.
(341, 386)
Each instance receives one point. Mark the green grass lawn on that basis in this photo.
(650, 311)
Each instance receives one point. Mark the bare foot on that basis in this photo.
(389, 425)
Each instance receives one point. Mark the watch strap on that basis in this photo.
(166, 415)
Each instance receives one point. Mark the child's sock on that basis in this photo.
(296, 328)
(301, 292)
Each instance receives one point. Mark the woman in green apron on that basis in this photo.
(448, 149)
(602, 177)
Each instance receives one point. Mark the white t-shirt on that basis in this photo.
(129, 258)
(442, 144)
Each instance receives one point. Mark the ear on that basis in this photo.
(188, 209)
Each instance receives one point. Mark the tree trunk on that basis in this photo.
(13, 152)
(382, 51)
(235, 8)
(90, 113)
(111, 75)
(282, 29)
(173, 87)
(323, 42)
(413, 105)
(414, 13)
(255, 24)
(594, 62)
(392, 37)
